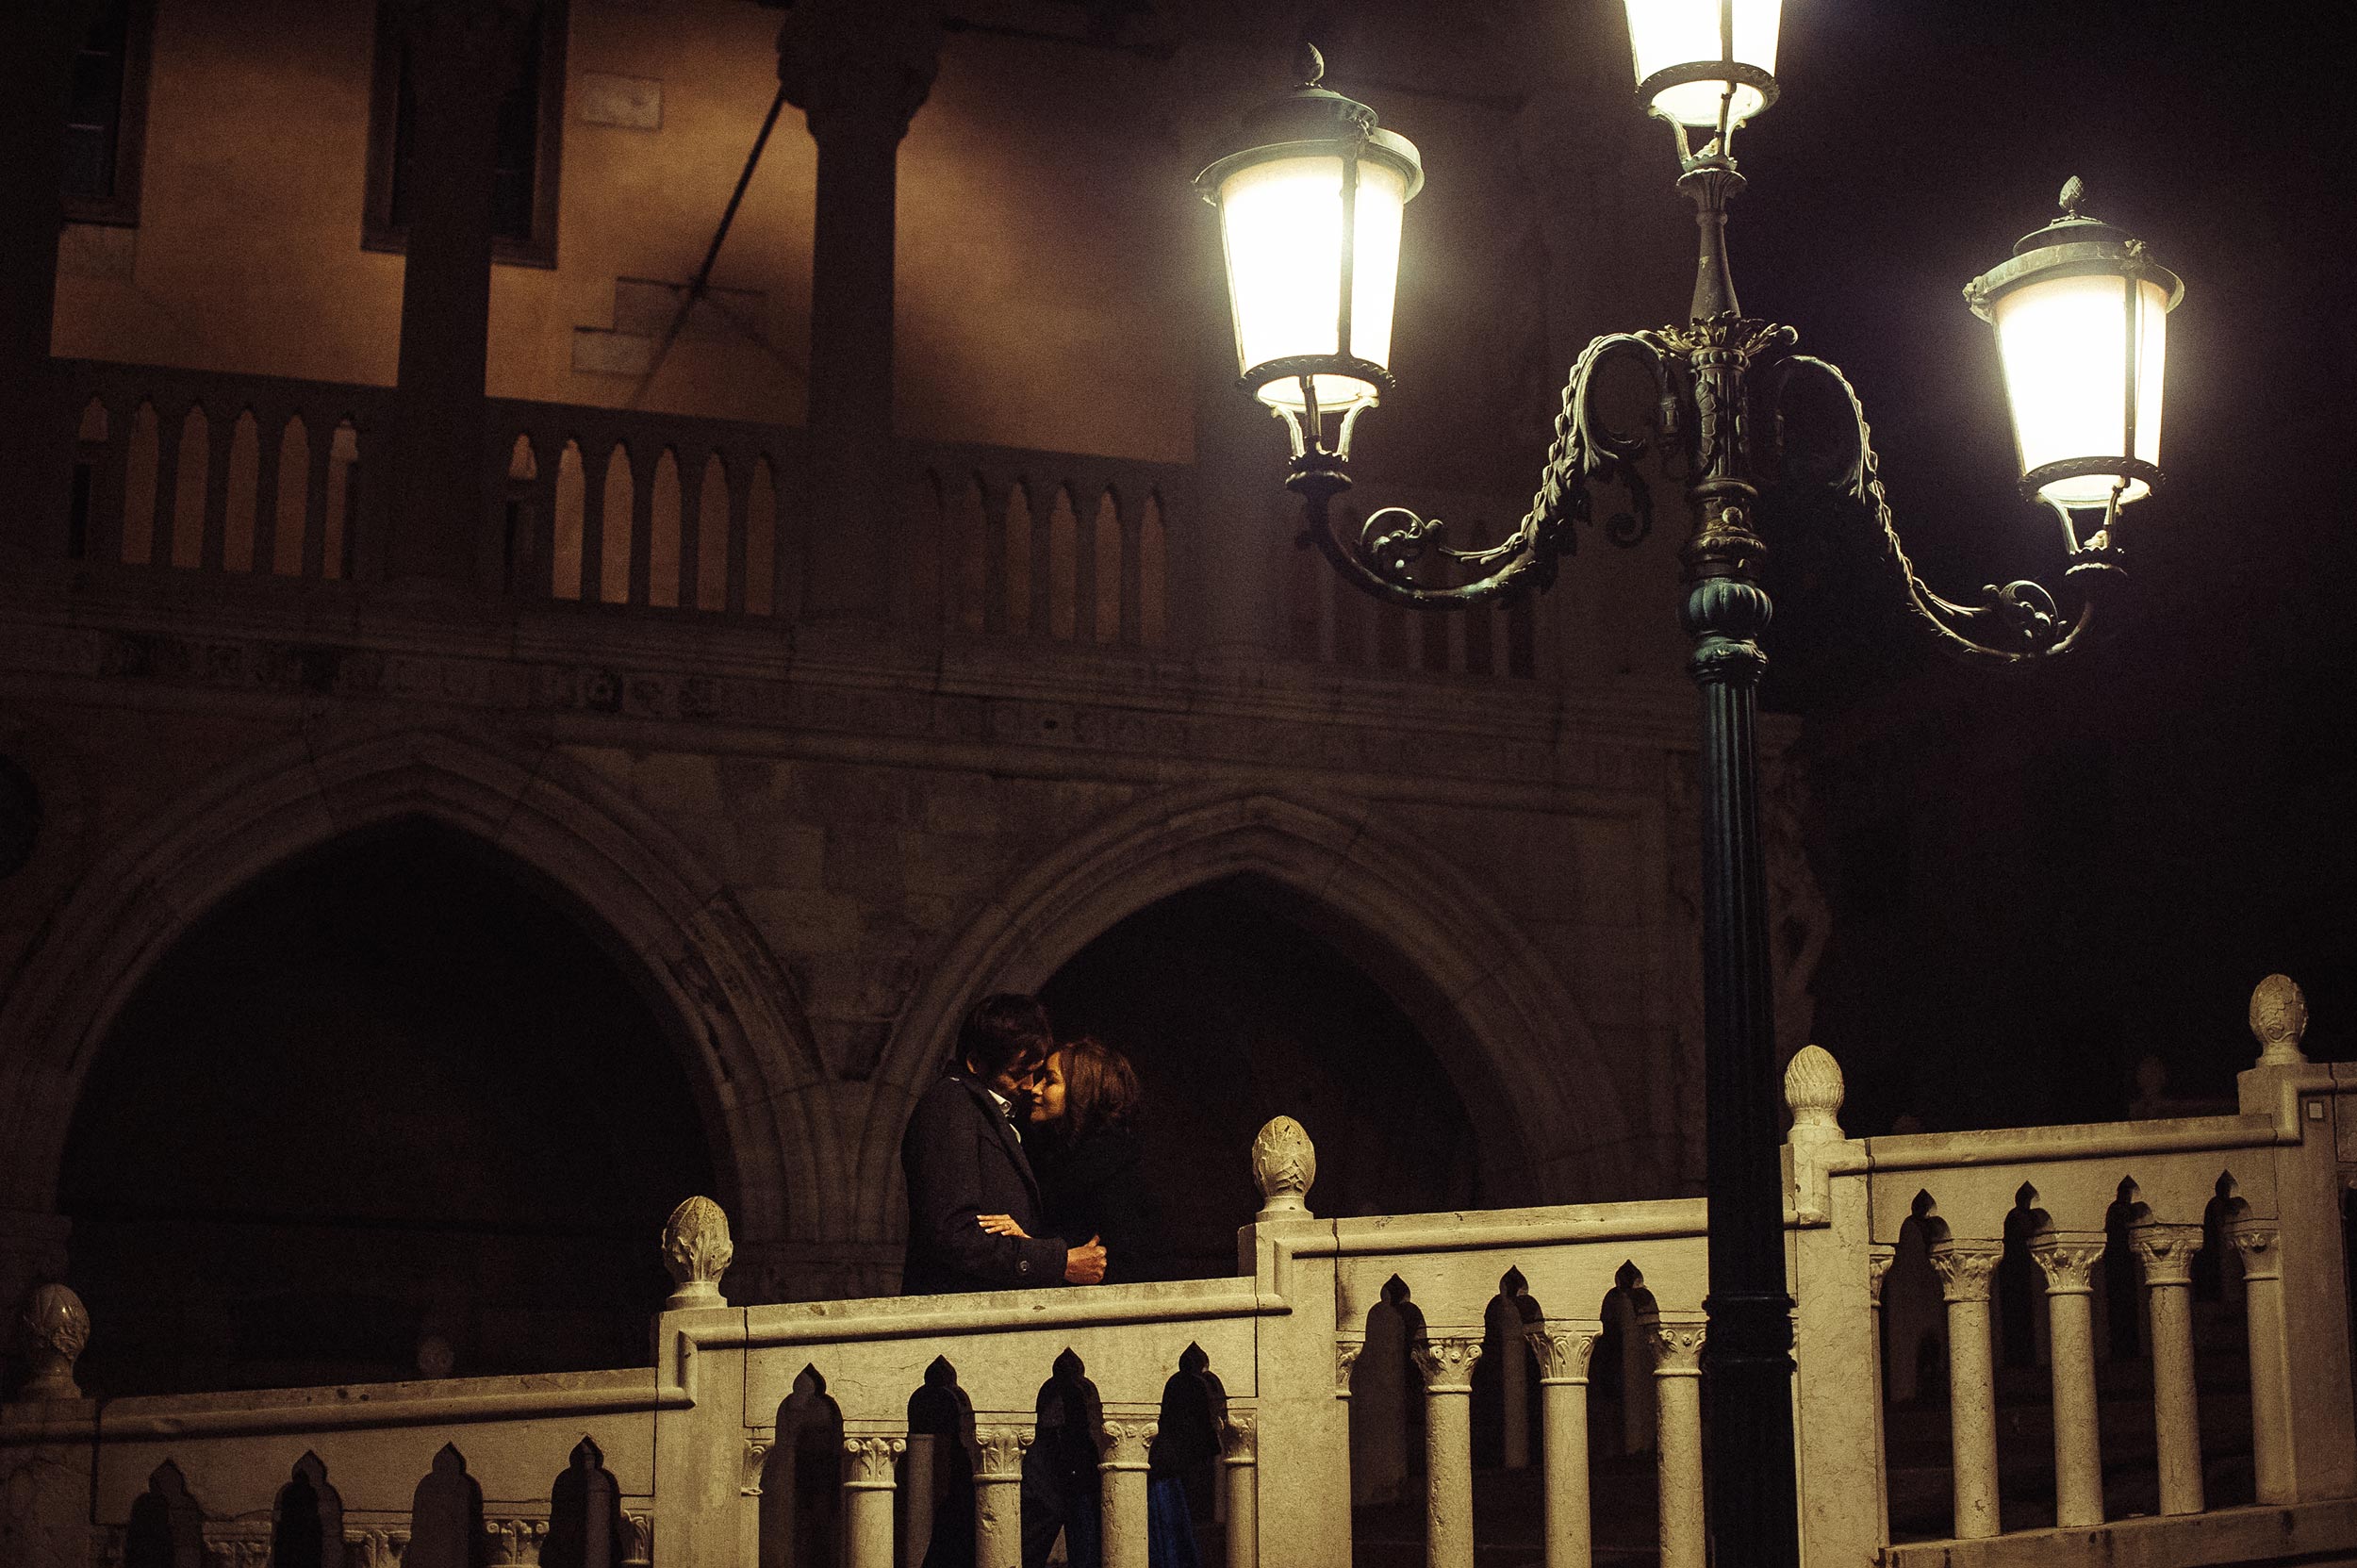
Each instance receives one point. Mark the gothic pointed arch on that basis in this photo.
(1485, 998)
(744, 1044)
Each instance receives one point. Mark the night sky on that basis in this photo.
(2041, 877)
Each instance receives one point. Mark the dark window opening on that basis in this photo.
(524, 153)
(106, 116)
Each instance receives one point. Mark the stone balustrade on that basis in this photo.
(269, 480)
(1300, 1367)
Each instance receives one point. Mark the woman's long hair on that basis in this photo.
(1100, 1088)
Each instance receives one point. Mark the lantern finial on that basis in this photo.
(1309, 64)
(2074, 191)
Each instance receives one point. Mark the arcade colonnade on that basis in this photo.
(802, 1117)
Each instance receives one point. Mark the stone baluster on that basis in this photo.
(998, 1486)
(55, 1326)
(868, 1456)
(859, 70)
(1446, 1361)
(1964, 1270)
(1128, 1434)
(2166, 1253)
(1879, 1257)
(1240, 1460)
(1563, 1350)
(2260, 1243)
(2066, 1258)
(1676, 1338)
(918, 1508)
(461, 55)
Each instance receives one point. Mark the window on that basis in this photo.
(106, 119)
(531, 125)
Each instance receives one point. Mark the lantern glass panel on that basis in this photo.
(1282, 222)
(2064, 343)
(1664, 33)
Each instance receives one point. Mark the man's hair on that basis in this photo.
(1100, 1088)
(1002, 1030)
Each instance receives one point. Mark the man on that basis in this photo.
(963, 1156)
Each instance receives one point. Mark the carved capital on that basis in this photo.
(2279, 1020)
(851, 65)
(2166, 1251)
(2066, 1258)
(1964, 1269)
(867, 1461)
(1284, 1165)
(697, 1252)
(2258, 1242)
(1125, 1441)
(757, 1446)
(1561, 1351)
(1879, 1257)
(637, 1541)
(55, 1329)
(1346, 1352)
(1001, 1448)
(1240, 1436)
(513, 1540)
(1447, 1364)
(1677, 1344)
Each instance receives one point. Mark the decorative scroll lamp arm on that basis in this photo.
(2015, 623)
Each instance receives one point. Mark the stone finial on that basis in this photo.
(2279, 1017)
(1284, 1164)
(56, 1326)
(697, 1252)
(1812, 1087)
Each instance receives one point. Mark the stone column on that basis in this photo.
(2065, 1257)
(1879, 1257)
(2167, 1252)
(868, 1486)
(917, 1513)
(1677, 1341)
(997, 1485)
(859, 70)
(1563, 1350)
(1447, 1364)
(1238, 1449)
(1127, 1435)
(461, 58)
(753, 1460)
(2260, 1244)
(1964, 1270)
(36, 426)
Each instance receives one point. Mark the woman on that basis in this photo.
(1084, 1148)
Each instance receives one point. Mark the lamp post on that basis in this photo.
(1311, 200)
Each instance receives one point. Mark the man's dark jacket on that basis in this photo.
(962, 1160)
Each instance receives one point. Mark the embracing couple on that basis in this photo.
(1022, 1163)
(1023, 1170)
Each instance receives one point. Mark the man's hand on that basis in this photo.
(1001, 1225)
(1084, 1264)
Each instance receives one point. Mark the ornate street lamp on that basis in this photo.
(2079, 310)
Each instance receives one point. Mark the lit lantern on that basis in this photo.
(2081, 317)
(1699, 59)
(1310, 208)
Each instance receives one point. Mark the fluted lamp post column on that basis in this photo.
(1313, 197)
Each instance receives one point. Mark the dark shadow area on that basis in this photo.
(1234, 1010)
(391, 1093)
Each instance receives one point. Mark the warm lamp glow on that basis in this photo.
(2066, 343)
(1683, 39)
(1282, 222)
